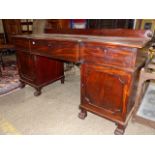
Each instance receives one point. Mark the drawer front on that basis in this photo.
(63, 50)
(122, 57)
(22, 44)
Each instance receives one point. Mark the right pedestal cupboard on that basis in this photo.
(109, 77)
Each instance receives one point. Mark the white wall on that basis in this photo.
(1, 26)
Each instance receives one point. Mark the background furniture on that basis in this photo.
(4, 47)
(58, 24)
(1, 63)
(26, 26)
(146, 75)
(2, 41)
(110, 65)
(109, 23)
(2, 38)
(11, 27)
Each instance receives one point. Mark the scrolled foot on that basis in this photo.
(37, 92)
(82, 114)
(63, 80)
(22, 85)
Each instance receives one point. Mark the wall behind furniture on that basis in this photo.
(145, 24)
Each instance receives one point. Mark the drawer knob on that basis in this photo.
(50, 45)
(33, 42)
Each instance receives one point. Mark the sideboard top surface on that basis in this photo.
(135, 42)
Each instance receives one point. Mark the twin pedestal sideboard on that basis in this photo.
(110, 62)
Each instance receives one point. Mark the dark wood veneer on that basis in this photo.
(63, 50)
(120, 56)
(35, 70)
(109, 67)
(102, 32)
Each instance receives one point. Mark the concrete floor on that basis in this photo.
(54, 112)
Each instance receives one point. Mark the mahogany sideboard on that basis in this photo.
(110, 63)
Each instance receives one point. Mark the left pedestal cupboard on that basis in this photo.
(36, 70)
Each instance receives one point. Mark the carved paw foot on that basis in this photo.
(82, 115)
(63, 80)
(37, 92)
(22, 85)
(119, 130)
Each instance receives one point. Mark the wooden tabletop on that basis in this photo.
(137, 42)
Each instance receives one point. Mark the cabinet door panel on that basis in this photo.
(104, 88)
(26, 65)
(47, 69)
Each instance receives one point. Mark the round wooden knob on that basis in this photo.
(49, 45)
(33, 42)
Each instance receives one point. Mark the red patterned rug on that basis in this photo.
(9, 80)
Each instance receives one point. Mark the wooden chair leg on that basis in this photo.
(0, 72)
(1, 60)
(144, 76)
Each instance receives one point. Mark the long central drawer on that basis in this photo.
(62, 50)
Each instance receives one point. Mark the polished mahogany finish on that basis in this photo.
(110, 63)
(63, 50)
(102, 32)
(35, 70)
